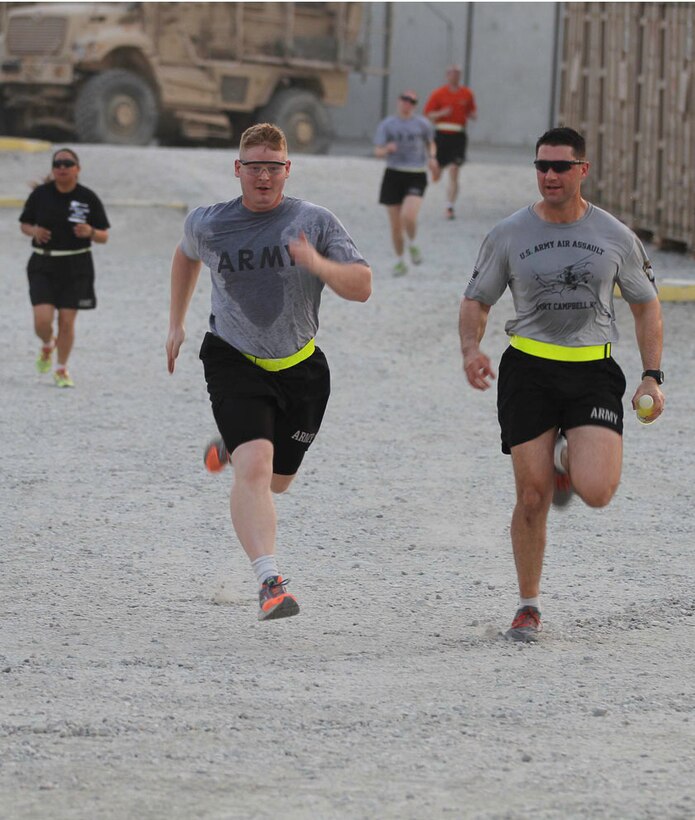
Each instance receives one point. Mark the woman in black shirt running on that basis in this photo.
(62, 218)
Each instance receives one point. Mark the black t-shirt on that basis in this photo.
(58, 212)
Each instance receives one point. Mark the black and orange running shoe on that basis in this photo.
(526, 625)
(275, 601)
(216, 456)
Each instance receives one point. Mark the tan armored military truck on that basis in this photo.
(130, 72)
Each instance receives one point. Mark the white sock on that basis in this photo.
(265, 567)
(530, 602)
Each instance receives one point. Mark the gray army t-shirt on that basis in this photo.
(561, 276)
(412, 136)
(262, 303)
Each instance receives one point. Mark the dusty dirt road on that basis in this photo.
(135, 681)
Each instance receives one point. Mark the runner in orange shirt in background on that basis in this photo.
(449, 108)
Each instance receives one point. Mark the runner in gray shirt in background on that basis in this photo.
(560, 391)
(406, 141)
(269, 257)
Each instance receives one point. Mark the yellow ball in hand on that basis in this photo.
(645, 406)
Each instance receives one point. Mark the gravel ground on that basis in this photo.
(135, 681)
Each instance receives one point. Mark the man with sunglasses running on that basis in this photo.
(269, 256)
(559, 392)
(406, 141)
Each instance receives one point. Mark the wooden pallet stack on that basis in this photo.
(627, 83)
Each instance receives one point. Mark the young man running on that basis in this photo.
(406, 141)
(560, 392)
(270, 257)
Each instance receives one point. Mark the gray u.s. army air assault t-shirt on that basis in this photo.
(561, 275)
(262, 303)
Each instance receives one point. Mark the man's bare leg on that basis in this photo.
(409, 214)
(255, 523)
(533, 474)
(595, 460)
(251, 500)
(394, 212)
(452, 189)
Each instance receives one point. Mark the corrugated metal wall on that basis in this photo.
(627, 84)
(507, 51)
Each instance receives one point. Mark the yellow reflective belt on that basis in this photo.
(559, 353)
(287, 361)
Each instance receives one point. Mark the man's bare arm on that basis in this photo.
(184, 276)
(351, 280)
(472, 323)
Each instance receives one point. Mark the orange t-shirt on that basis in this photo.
(461, 101)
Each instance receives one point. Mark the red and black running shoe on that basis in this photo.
(526, 625)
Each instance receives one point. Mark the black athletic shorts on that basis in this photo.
(397, 185)
(62, 281)
(451, 147)
(286, 406)
(535, 395)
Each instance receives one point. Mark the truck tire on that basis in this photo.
(116, 107)
(303, 118)
(8, 124)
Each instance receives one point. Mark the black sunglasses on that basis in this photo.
(64, 163)
(406, 98)
(560, 166)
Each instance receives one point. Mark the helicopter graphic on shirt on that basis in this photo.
(570, 278)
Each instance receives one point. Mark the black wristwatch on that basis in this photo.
(657, 375)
